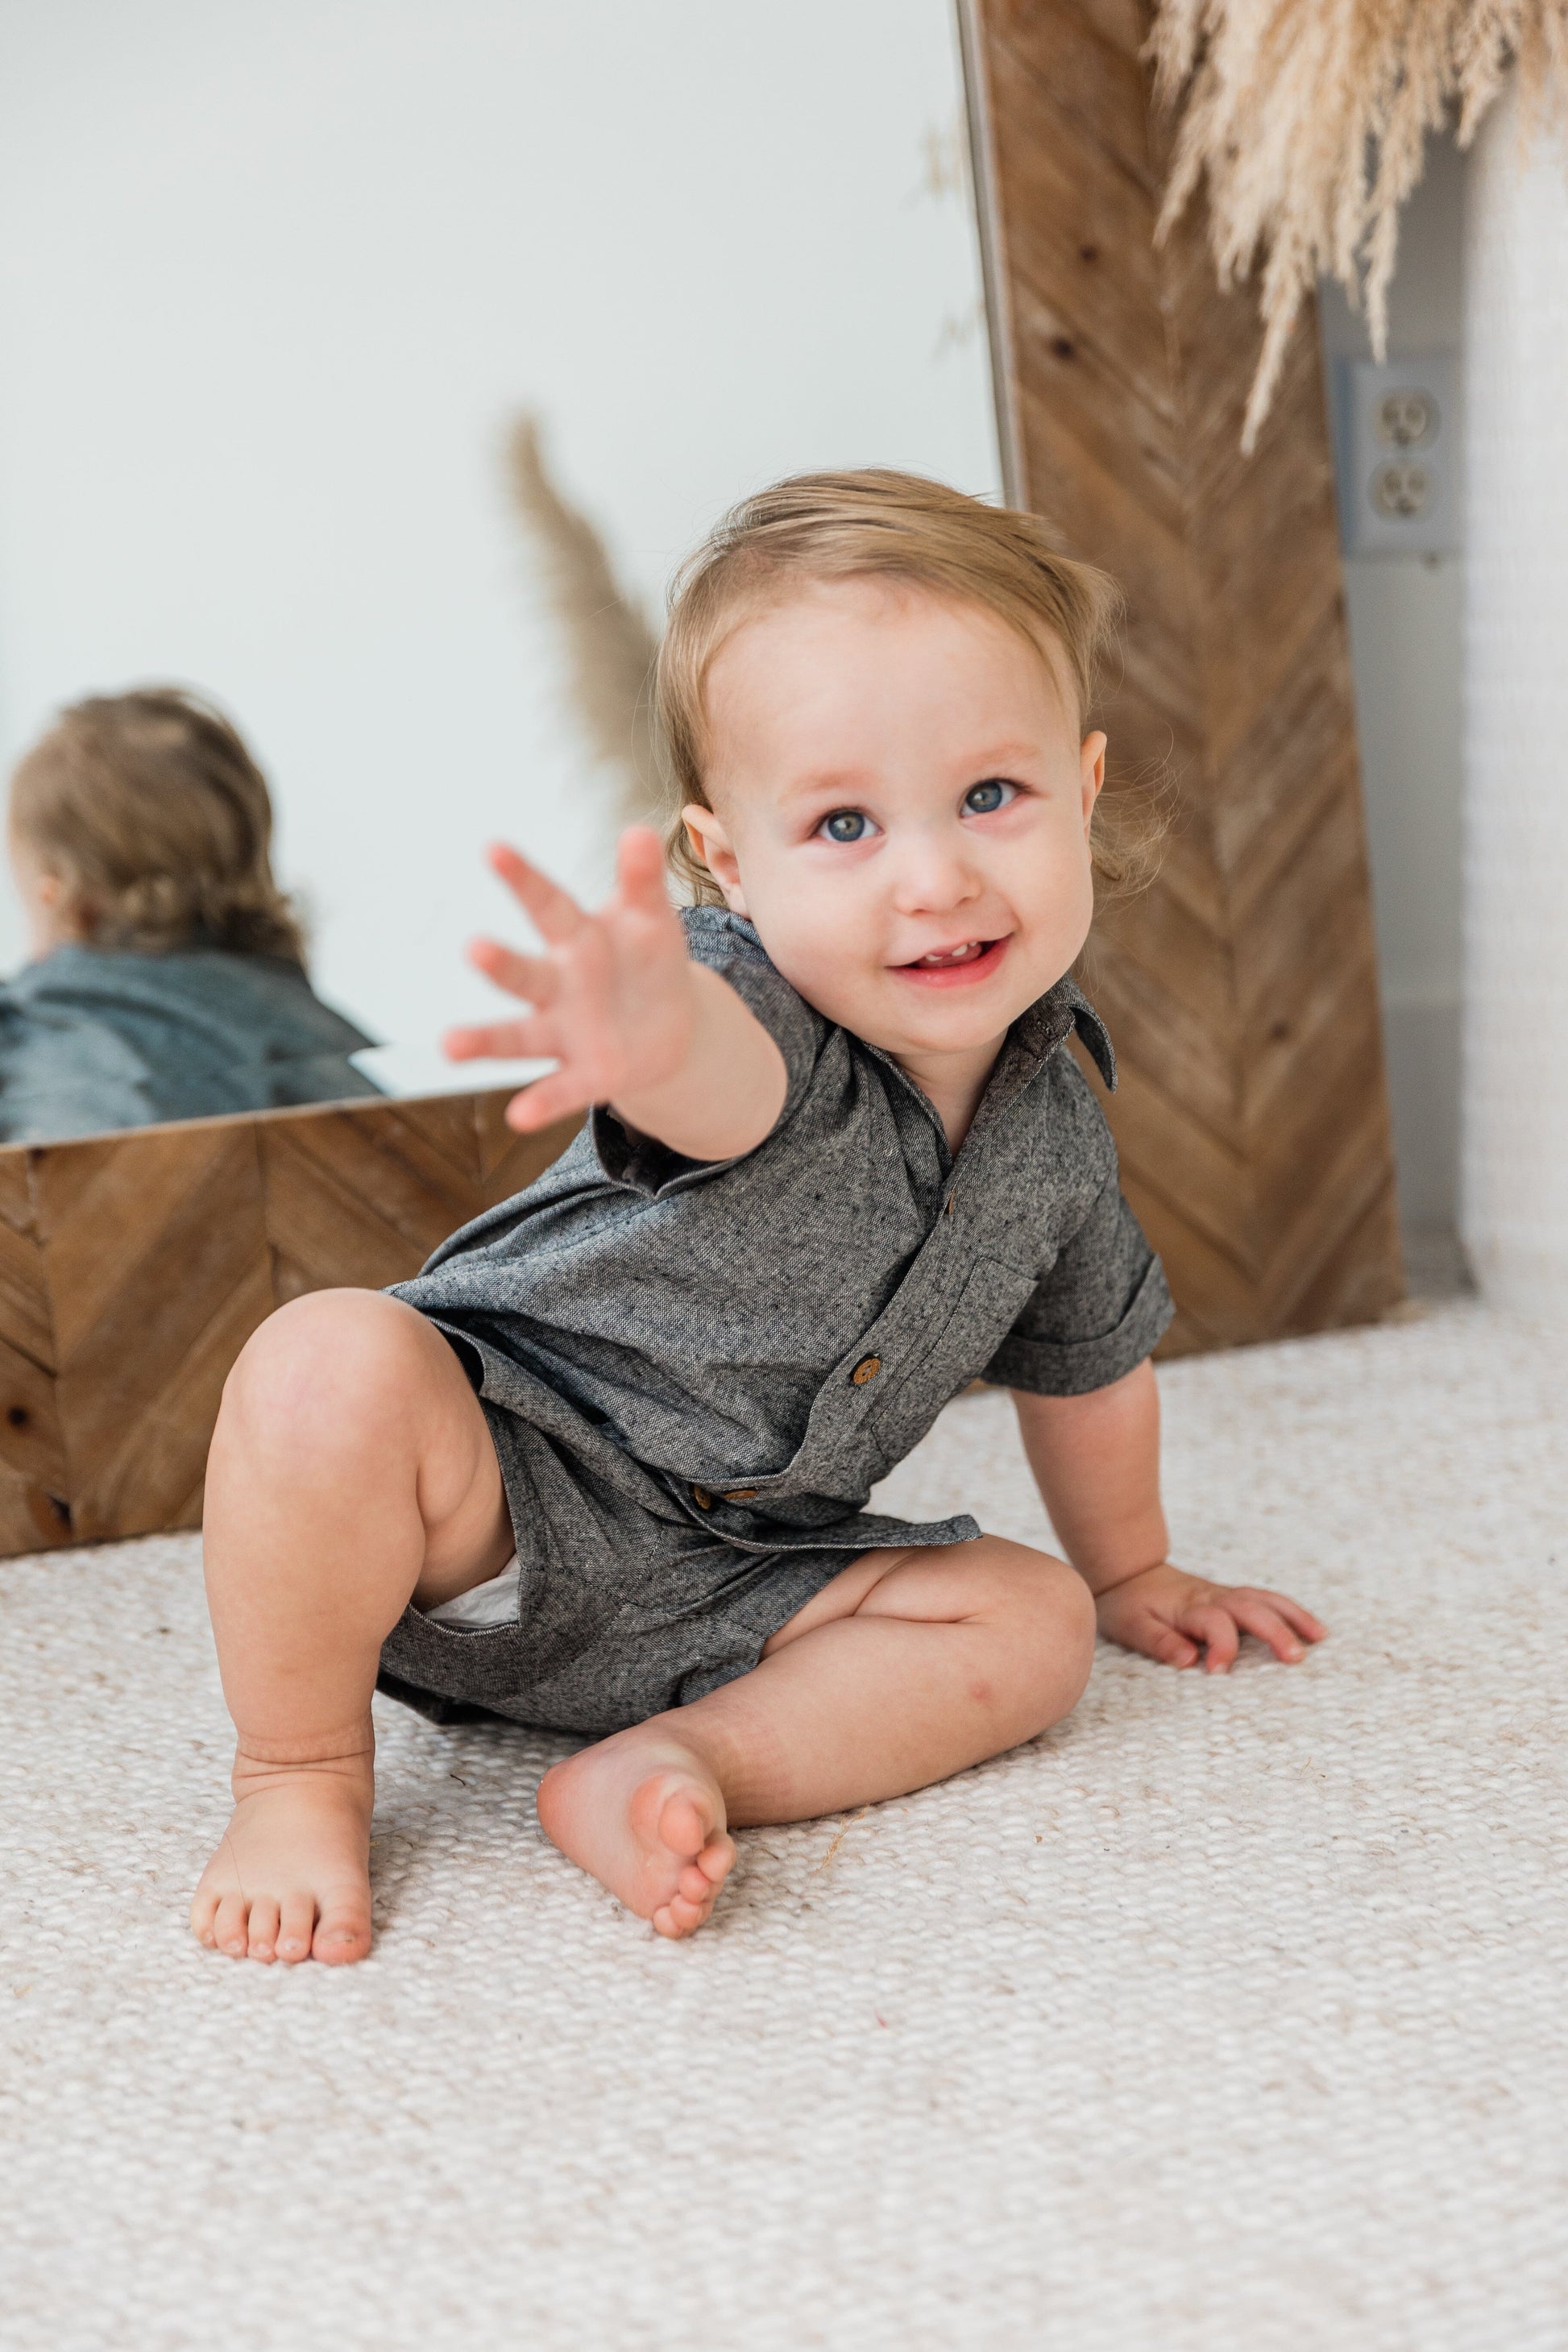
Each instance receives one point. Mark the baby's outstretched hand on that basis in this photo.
(1178, 1619)
(611, 997)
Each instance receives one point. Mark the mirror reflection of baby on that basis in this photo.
(604, 1464)
(166, 973)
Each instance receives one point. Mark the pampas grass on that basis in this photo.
(1309, 118)
(610, 646)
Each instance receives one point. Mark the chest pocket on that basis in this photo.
(938, 1360)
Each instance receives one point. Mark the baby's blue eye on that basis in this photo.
(844, 824)
(980, 800)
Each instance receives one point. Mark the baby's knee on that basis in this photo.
(335, 1364)
(1054, 1626)
(1072, 1606)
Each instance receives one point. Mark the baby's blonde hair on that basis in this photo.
(158, 822)
(873, 523)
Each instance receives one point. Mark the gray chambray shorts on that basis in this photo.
(627, 1604)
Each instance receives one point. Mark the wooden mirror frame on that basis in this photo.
(134, 1266)
(1241, 989)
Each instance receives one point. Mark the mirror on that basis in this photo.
(280, 284)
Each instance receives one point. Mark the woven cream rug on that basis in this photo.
(1232, 2016)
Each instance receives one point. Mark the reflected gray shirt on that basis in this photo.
(767, 1335)
(92, 1040)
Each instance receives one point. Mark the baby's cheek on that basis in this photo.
(829, 974)
(829, 958)
(1065, 889)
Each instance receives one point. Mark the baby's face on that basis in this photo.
(902, 806)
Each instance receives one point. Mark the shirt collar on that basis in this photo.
(1040, 1029)
(1034, 1036)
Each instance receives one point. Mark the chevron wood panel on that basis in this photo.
(147, 1327)
(1242, 988)
(133, 1267)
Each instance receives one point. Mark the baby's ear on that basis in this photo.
(1092, 770)
(709, 839)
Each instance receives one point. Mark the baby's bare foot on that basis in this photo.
(291, 1879)
(645, 1814)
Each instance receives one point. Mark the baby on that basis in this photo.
(602, 1466)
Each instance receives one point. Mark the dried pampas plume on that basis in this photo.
(1308, 118)
(610, 645)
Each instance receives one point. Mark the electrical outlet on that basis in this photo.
(1397, 455)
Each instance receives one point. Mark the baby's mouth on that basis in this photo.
(968, 960)
(946, 958)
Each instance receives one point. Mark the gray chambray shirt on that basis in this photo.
(682, 1361)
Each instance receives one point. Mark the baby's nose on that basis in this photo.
(933, 877)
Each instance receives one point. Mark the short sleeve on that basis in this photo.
(1098, 1312)
(728, 945)
(731, 948)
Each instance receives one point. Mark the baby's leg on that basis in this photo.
(909, 1666)
(351, 1467)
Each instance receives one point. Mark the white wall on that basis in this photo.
(274, 277)
(1405, 623)
(1515, 1174)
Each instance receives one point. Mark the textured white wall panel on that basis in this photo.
(1514, 1177)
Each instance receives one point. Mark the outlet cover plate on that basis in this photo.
(1397, 455)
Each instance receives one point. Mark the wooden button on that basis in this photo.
(865, 1369)
(741, 1495)
(703, 1499)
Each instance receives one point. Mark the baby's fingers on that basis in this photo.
(499, 1041)
(555, 913)
(639, 870)
(1301, 1620)
(547, 1099)
(534, 978)
(1215, 1627)
(1164, 1644)
(1267, 1617)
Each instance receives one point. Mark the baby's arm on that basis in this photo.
(631, 1020)
(1096, 1459)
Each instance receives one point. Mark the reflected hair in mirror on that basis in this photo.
(158, 824)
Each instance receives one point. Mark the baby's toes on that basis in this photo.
(342, 1933)
(203, 1911)
(297, 1920)
(680, 1918)
(263, 1939)
(682, 1827)
(230, 1926)
(716, 1861)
